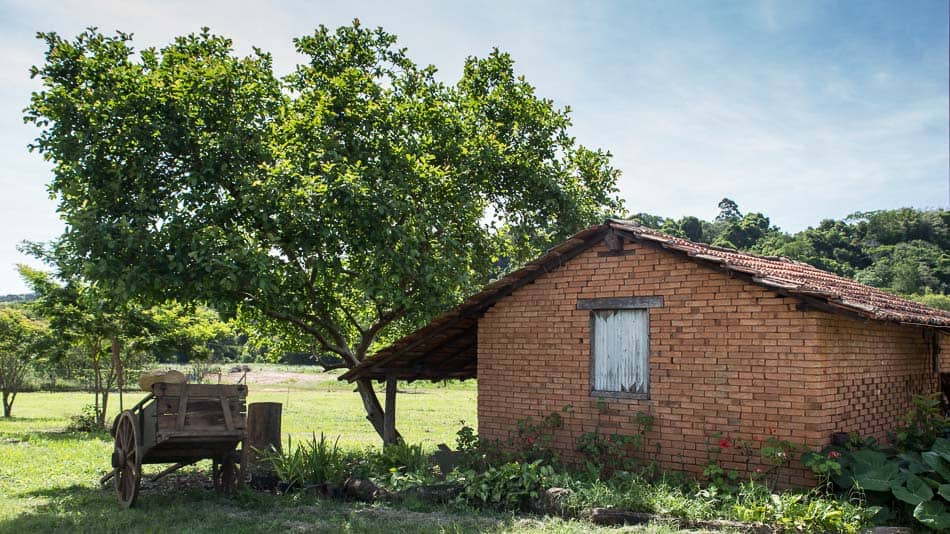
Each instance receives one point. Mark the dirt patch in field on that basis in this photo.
(265, 377)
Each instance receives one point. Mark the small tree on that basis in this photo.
(103, 328)
(21, 339)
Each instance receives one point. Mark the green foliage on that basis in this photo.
(667, 495)
(104, 333)
(534, 438)
(934, 300)
(86, 420)
(799, 512)
(913, 478)
(823, 464)
(351, 200)
(310, 462)
(23, 342)
(339, 206)
(180, 333)
(923, 424)
(603, 454)
(908, 267)
(511, 485)
(408, 457)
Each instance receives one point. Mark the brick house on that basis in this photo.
(702, 338)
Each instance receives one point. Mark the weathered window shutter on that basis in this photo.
(621, 350)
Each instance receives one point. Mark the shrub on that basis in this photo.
(408, 457)
(533, 441)
(923, 424)
(917, 483)
(86, 420)
(395, 467)
(512, 485)
(311, 462)
(604, 454)
(801, 512)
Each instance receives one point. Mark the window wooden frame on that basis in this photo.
(618, 303)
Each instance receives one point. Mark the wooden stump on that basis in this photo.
(263, 432)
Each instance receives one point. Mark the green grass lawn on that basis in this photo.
(48, 477)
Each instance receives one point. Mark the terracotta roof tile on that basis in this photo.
(797, 278)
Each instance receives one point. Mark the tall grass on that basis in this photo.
(311, 462)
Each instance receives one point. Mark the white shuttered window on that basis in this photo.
(620, 351)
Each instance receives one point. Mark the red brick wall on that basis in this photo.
(943, 358)
(725, 356)
(873, 371)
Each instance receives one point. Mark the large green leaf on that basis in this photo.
(938, 464)
(933, 514)
(867, 460)
(879, 479)
(845, 481)
(915, 464)
(942, 446)
(944, 491)
(913, 491)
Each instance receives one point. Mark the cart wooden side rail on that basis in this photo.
(180, 424)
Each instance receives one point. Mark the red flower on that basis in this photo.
(834, 454)
(530, 440)
(724, 443)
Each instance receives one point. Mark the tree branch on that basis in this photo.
(356, 324)
(332, 366)
(315, 332)
(370, 334)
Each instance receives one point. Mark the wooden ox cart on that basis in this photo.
(180, 424)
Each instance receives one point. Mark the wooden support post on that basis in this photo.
(263, 433)
(389, 416)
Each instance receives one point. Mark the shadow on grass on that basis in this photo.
(84, 509)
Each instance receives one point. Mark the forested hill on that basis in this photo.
(904, 251)
(26, 297)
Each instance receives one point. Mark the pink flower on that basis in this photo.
(758, 469)
(834, 454)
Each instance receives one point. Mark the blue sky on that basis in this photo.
(800, 110)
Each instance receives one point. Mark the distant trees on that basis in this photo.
(905, 251)
(182, 333)
(23, 340)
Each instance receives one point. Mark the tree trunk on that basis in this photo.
(263, 434)
(117, 369)
(105, 403)
(8, 404)
(374, 411)
(98, 388)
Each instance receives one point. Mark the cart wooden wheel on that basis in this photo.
(126, 460)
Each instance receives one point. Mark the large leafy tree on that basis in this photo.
(350, 200)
